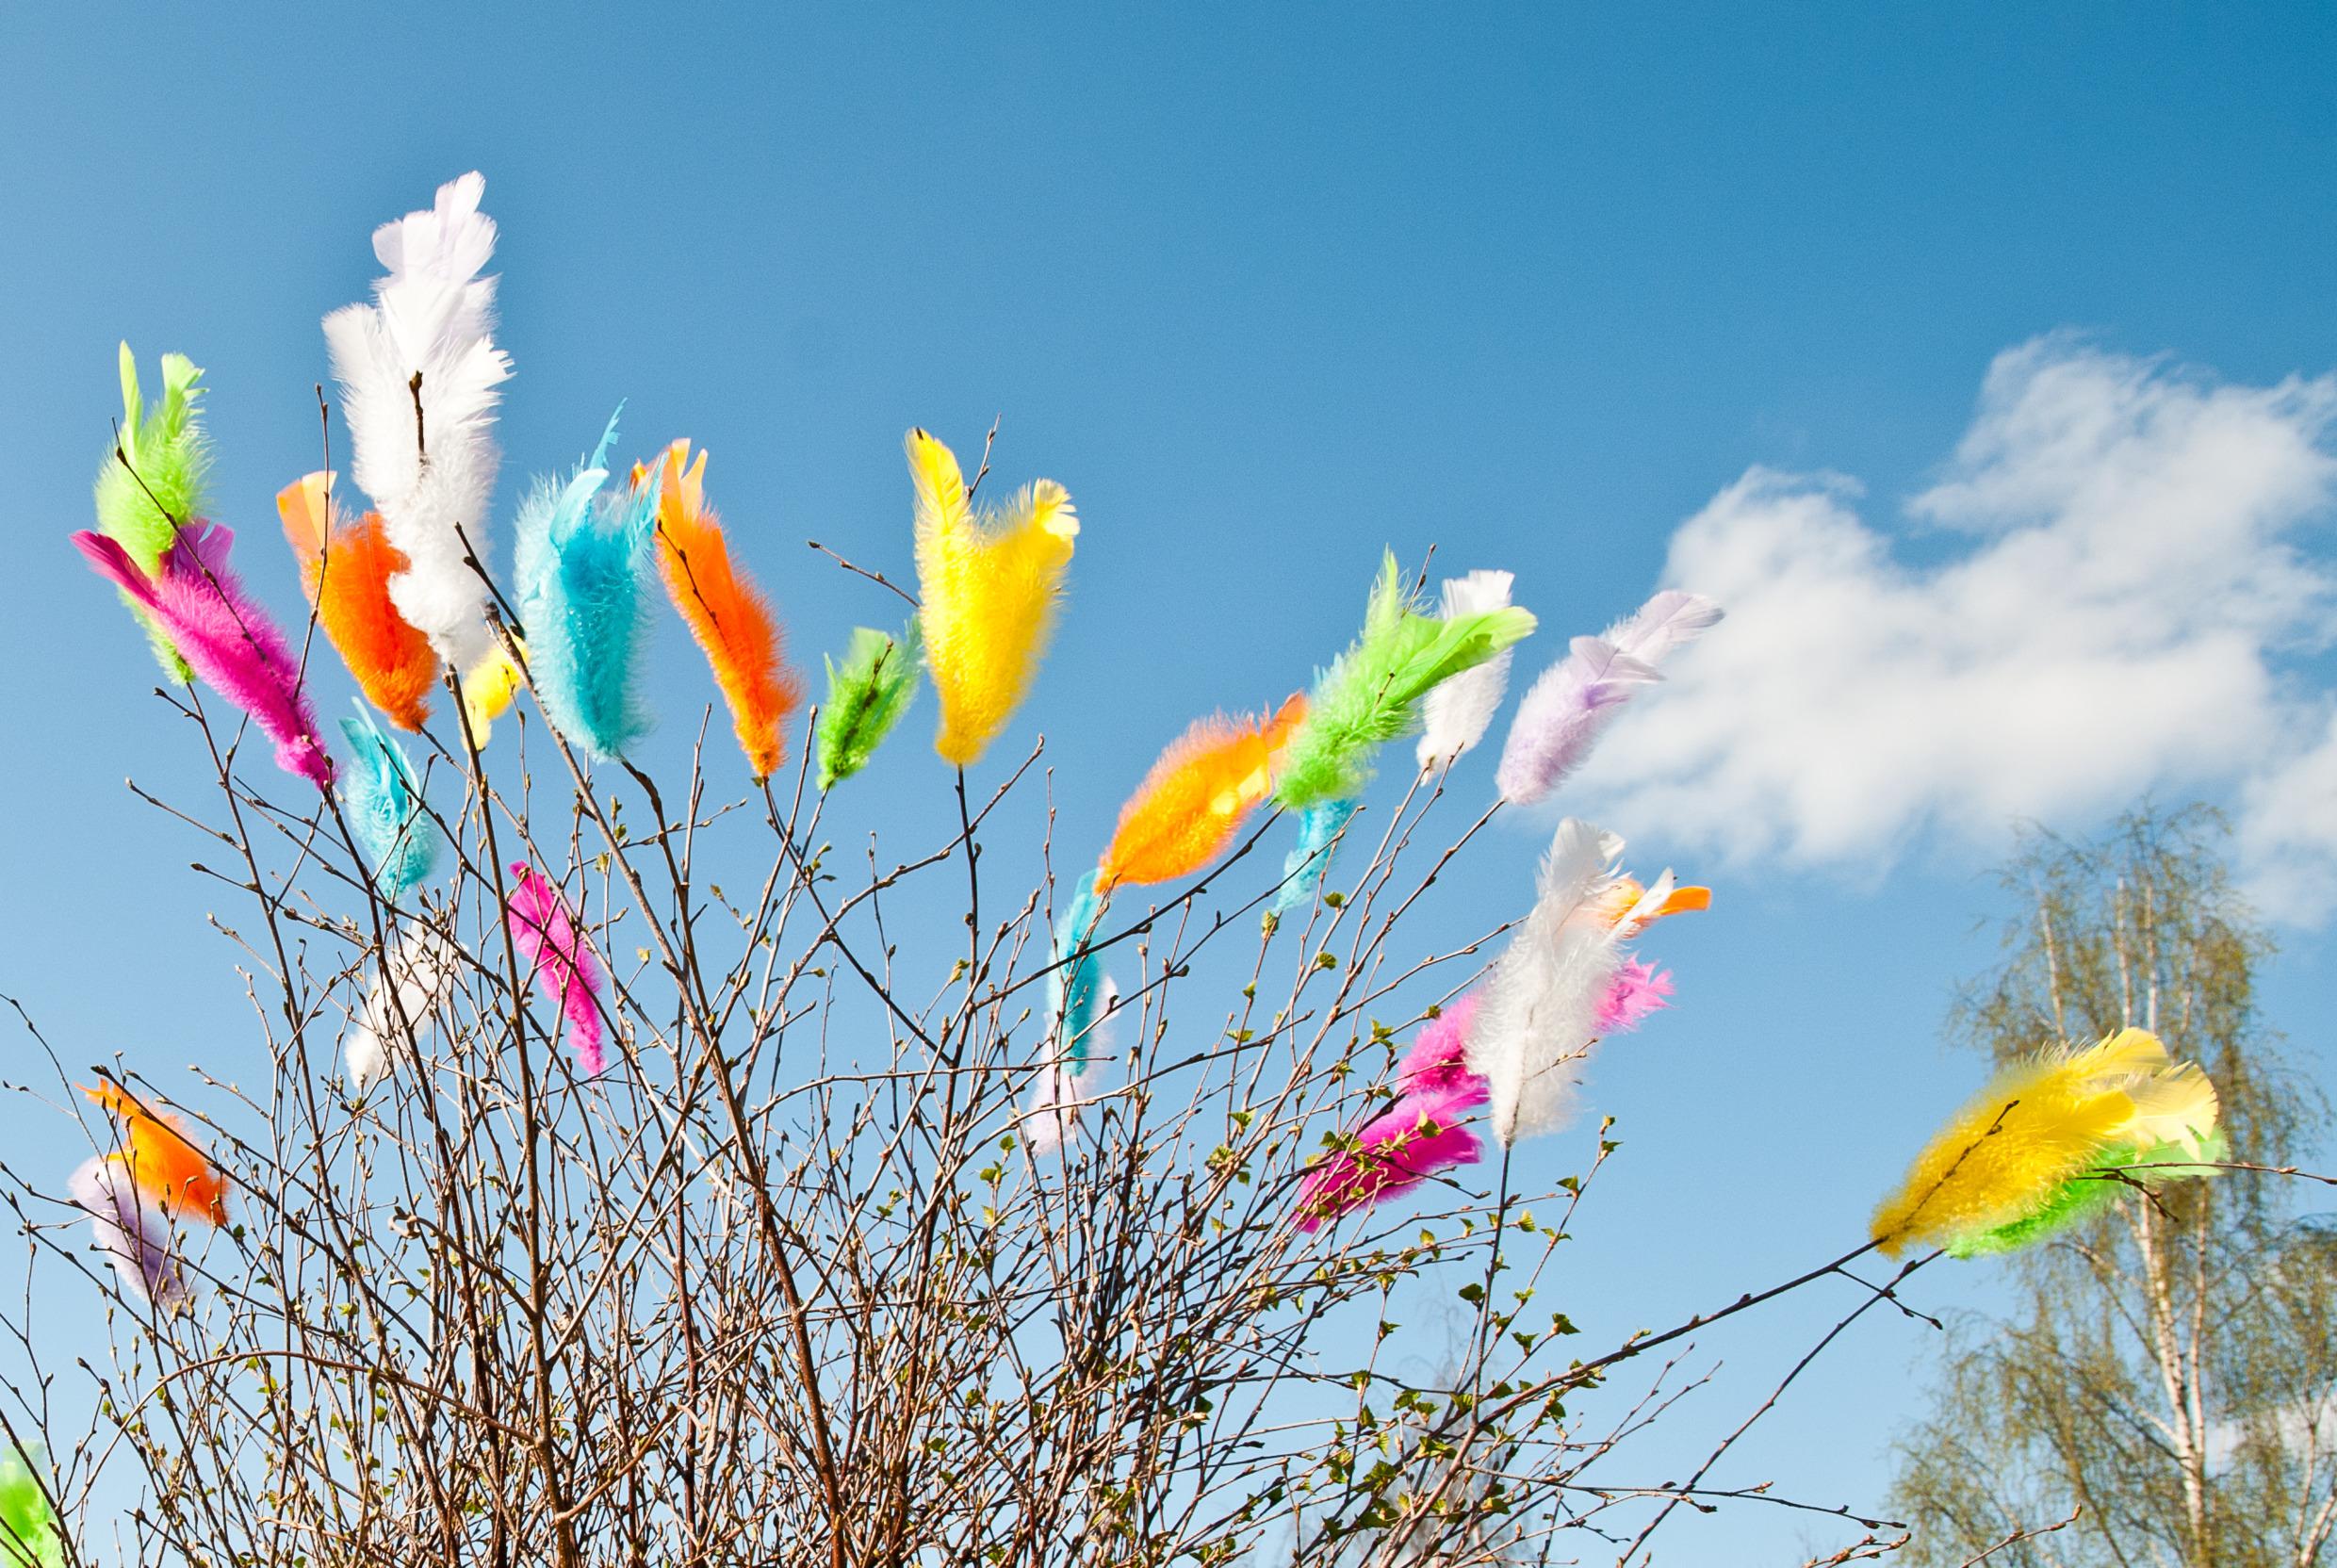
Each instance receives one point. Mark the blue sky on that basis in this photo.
(1269, 287)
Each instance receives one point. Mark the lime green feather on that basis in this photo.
(156, 479)
(2082, 1197)
(27, 1525)
(867, 695)
(1371, 694)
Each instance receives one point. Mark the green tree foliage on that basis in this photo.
(2167, 1372)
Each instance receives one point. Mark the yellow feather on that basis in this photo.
(488, 688)
(2177, 1107)
(989, 587)
(2033, 1127)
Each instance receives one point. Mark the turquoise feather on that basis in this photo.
(1310, 858)
(383, 801)
(1075, 989)
(581, 561)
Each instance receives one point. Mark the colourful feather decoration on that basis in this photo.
(1564, 712)
(1371, 694)
(990, 585)
(28, 1530)
(384, 803)
(1457, 713)
(867, 695)
(131, 1229)
(419, 376)
(345, 571)
(566, 971)
(224, 635)
(155, 480)
(578, 567)
(726, 612)
(1319, 826)
(2096, 1190)
(488, 688)
(165, 1164)
(414, 979)
(1563, 981)
(1074, 985)
(1639, 991)
(1420, 1135)
(1194, 799)
(1060, 1090)
(2006, 1160)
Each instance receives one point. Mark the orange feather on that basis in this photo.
(345, 570)
(727, 613)
(173, 1170)
(1189, 807)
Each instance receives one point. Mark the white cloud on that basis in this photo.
(2101, 595)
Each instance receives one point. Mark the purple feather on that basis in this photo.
(224, 635)
(1564, 712)
(135, 1236)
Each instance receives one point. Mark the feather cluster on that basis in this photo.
(221, 630)
(414, 979)
(1562, 713)
(155, 481)
(1458, 712)
(725, 613)
(1196, 796)
(1563, 982)
(579, 564)
(867, 695)
(565, 970)
(1420, 1135)
(166, 1166)
(28, 1529)
(345, 570)
(1319, 827)
(384, 803)
(1371, 694)
(2000, 1173)
(1075, 985)
(990, 585)
(419, 375)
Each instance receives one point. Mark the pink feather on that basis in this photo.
(1415, 1138)
(225, 636)
(1639, 990)
(566, 971)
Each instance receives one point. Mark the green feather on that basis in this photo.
(1371, 694)
(28, 1524)
(166, 482)
(2081, 1198)
(866, 697)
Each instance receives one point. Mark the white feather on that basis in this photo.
(1541, 1003)
(1057, 1095)
(1461, 709)
(433, 315)
(415, 977)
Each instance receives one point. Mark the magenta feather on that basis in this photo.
(224, 635)
(1417, 1138)
(566, 971)
(1638, 989)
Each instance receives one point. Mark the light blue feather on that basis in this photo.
(1075, 990)
(383, 801)
(580, 561)
(1303, 870)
